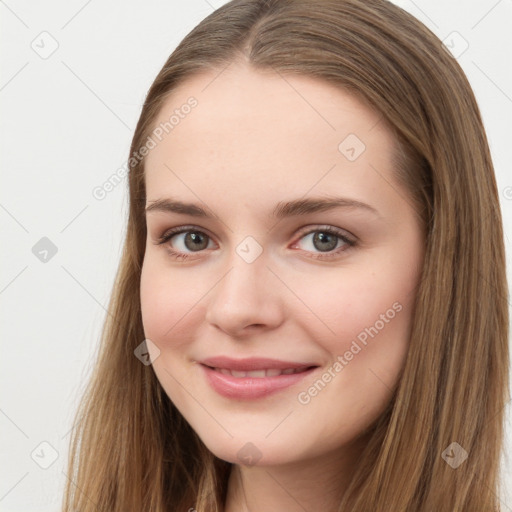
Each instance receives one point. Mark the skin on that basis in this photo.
(253, 140)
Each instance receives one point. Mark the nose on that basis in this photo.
(247, 297)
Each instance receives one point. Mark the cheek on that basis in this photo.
(372, 324)
(362, 319)
(343, 304)
(167, 308)
(165, 301)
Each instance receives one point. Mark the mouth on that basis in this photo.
(253, 378)
(259, 374)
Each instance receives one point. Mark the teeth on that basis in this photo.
(271, 372)
(256, 373)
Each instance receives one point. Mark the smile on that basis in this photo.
(258, 374)
(250, 379)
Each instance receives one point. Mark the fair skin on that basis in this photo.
(251, 142)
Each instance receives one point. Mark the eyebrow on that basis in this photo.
(281, 210)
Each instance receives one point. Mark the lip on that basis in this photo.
(250, 388)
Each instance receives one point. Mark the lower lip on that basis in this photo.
(251, 387)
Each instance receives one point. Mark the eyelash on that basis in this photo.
(320, 256)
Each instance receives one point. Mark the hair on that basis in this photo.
(132, 450)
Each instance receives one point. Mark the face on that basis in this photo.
(299, 262)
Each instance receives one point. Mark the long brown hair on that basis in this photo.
(132, 450)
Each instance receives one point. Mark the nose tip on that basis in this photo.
(244, 299)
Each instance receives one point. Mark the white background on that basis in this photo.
(66, 124)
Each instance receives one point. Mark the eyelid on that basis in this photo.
(168, 233)
(342, 233)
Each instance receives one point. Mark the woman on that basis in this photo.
(311, 308)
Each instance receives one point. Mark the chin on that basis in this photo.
(253, 453)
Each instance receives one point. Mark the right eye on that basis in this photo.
(184, 238)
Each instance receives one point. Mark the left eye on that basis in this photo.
(324, 240)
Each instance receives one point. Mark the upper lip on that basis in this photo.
(252, 363)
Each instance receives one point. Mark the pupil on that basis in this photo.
(196, 241)
(322, 243)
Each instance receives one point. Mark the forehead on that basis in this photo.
(250, 129)
(267, 101)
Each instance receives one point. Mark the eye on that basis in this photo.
(185, 238)
(328, 240)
